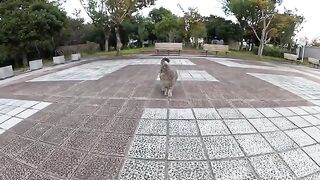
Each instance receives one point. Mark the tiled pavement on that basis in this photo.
(108, 120)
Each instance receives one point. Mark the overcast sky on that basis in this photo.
(308, 8)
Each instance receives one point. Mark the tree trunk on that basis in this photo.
(24, 59)
(262, 41)
(119, 44)
(106, 44)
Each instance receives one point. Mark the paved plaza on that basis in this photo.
(228, 119)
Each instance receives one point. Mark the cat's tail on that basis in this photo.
(163, 60)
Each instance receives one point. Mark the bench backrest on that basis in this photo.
(168, 46)
(290, 56)
(215, 47)
(313, 60)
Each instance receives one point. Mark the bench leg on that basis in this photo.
(168, 53)
(206, 53)
(216, 53)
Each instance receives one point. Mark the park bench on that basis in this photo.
(291, 57)
(313, 61)
(168, 47)
(215, 48)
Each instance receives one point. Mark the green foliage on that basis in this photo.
(220, 28)
(157, 15)
(273, 51)
(24, 23)
(167, 29)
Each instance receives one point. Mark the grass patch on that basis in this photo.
(247, 55)
(124, 52)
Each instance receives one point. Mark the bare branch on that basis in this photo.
(255, 32)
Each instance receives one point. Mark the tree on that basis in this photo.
(98, 12)
(157, 15)
(142, 31)
(198, 30)
(190, 18)
(167, 29)
(221, 28)
(24, 23)
(258, 14)
(119, 10)
(285, 26)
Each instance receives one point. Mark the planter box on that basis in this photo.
(36, 64)
(59, 60)
(75, 57)
(6, 72)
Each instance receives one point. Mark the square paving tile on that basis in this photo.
(10, 123)
(189, 170)
(86, 109)
(263, 125)
(15, 171)
(56, 135)
(108, 111)
(283, 123)
(298, 111)
(185, 148)
(155, 113)
(41, 176)
(240, 126)
(280, 141)
(38, 130)
(81, 140)
(219, 147)
(313, 177)
(143, 169)
(36, 154)
(208, 127)
(314, 152)
(6, 137)
(229, 113)
(16, 146)
(22, 127)
(271, 167)
(152, 127)
(73, 121)
(312, 119)
(97, 123)
(206, 113)
(148, 147)
(123, 125)
(27, 113)
(299, 121)
(183, 128)
(232, 170)
(269, 112)
(285, 111)
(15, 111)
(251, 113)
(309, 109)
(300, 137)
(253, 144)
(62, 162)
(300, 163)
(4, 117)
(112, 144)
(181, 114)
(313, 132)
(99, 167)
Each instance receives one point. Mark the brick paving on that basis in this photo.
(227, 119)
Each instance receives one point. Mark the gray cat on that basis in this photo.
(168, 77)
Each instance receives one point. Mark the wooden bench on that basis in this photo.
(291, 57)
(215, 48)
(313, 61)
(168, 47)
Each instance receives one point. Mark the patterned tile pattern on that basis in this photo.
(14, 111)
(244, 143)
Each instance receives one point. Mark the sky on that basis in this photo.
(308, 8)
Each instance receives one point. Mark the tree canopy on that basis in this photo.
(26, 22)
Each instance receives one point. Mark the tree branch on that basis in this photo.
(255, 32)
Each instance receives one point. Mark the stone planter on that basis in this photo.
(75, 57)
(6, 72)
(59, 60)
(36, 64)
